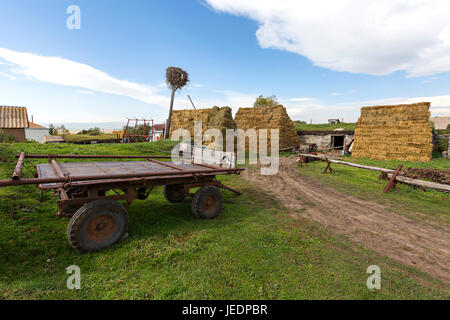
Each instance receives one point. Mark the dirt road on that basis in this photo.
(373, 225)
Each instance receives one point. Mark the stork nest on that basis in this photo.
(176, 78)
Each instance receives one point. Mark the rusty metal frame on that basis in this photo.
(89, 156)
(18, 169)
(147, 123)
(131, 184)
(130, 191)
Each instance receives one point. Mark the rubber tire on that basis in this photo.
(76, 230)
(71, 210)
(174, 192)
(200, 196)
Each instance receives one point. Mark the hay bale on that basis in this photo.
(268, 118)
(213, 118)
(395, 132)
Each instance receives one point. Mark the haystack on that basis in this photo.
(213, 118)
(396, 132)
(268, 118)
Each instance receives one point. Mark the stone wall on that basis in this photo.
(268, 118)
(395, 132)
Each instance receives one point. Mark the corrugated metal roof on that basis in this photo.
(13, 117)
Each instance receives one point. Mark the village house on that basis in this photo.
(14, 121)
(36, 132)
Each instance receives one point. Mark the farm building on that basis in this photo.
(159, 130)
(327, 140)
(36, 132)
(14, 121)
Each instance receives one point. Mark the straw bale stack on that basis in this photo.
(396, 132)
(217, 118)
(268, 118)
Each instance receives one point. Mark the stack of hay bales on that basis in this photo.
(268, 118)
(213, 118)
(399, 132)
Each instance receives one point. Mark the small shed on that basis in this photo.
(327, 140)
(334, 121)
(14, 121)
(159, 130)
(36, 132)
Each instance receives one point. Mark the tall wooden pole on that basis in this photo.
(167, 131)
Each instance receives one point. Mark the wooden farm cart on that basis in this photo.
(88, 192)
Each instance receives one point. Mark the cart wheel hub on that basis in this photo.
(209, 204)
(101, 228)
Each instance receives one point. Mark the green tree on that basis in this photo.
(51, 129)
(176, 79)
(91, 132)
(62, 130)
(264, 102)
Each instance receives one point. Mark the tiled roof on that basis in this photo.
(13, 117)
(159, 127)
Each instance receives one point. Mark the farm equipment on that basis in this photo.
(88, 192)
(142, 131)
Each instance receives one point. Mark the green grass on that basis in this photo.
(365, 184)
(253, 250)
(443, 131)
(324, 126)
(156, 148)
(86, 137)
(436, 163)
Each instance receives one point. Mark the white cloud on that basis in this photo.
(441, 111)
(10, 77)
(230, 98)
(84, 92)
(300, 99)
(374, 37)
(429, 80)
(306, 108)
(336, 94)
(65, 72)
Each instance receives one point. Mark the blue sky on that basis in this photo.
(319, 66)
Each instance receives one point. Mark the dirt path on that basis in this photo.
(371, 224)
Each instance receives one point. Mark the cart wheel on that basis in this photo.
(174, 192)
(207, 202)
(70, 211)
(97, 225)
